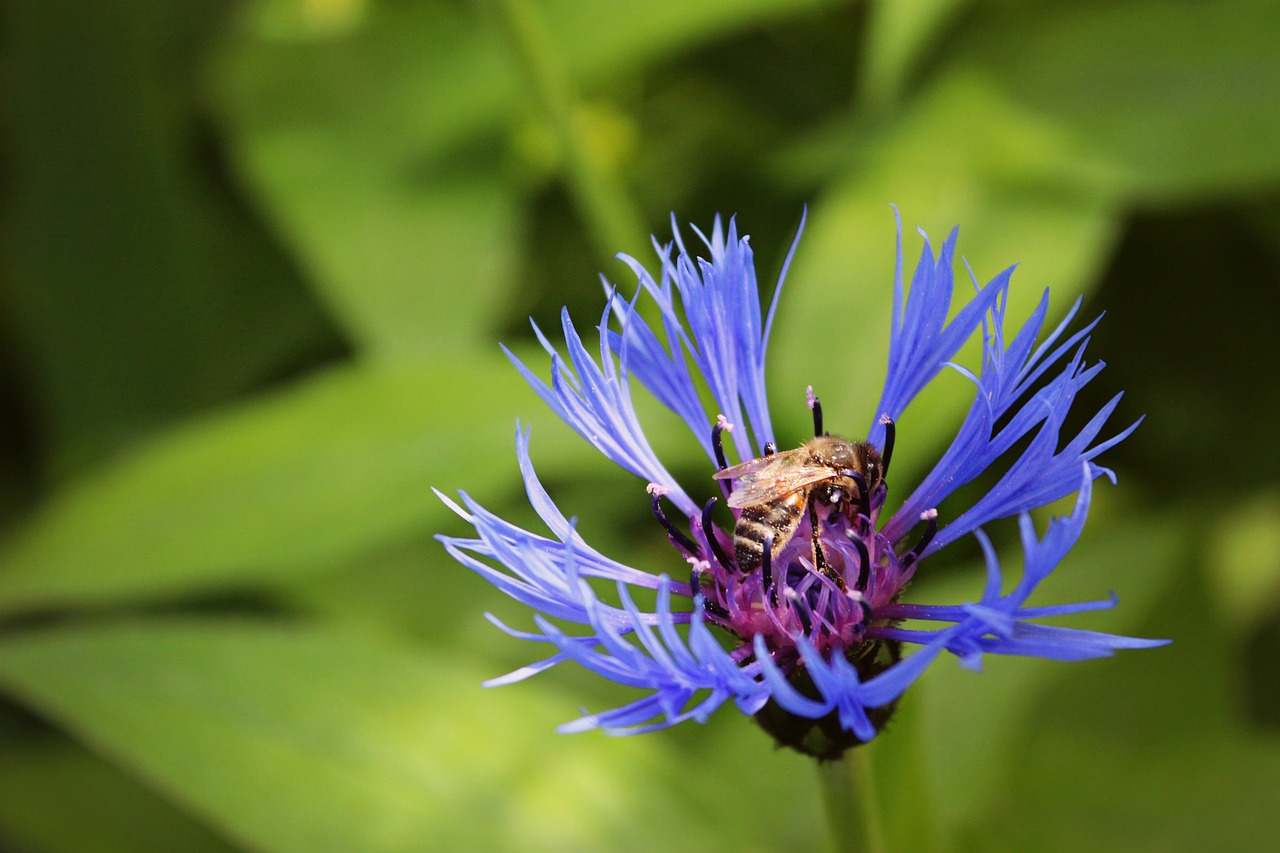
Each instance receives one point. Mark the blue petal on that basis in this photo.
(661, 661)
(1048, 641)
(661, 369)
(839, 687)
(499, 536)
(997, 625)
(921, 340)
(595, 400)
(1042, 473)
(713, 337)
(718, 327)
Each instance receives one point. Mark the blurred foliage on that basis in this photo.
(257, 257)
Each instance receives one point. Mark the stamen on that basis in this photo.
(864, 500)
(766, 562)
(710, 531)
(718, 444)
(912, 556)
(800, 607)
(770, 448)
(867, 613)
(890, 432)
(864, 565)
(816, 405)
(677, 538)
(695, 586)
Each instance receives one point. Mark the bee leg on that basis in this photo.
(819, 556)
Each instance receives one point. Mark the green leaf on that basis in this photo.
(962, 155)
(597, 38)
(969, 724)
(139, 287)
(410, 265)
(57, 797)
(1007, 143)
(897, 38)
(354, 144)
(1188, 794)
(293, 482)
(307, 740)
(376, 148)
(1144, 752)
(1179, 97)
(1244, 568)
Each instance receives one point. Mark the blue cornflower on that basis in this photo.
(794, 614)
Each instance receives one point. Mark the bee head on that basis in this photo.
(868, 466)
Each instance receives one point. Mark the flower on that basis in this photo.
(795, 614)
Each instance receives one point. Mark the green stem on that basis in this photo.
(610, 216)
(853, 810)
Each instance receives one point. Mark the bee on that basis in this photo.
(774, 491)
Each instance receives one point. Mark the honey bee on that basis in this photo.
(774, 491)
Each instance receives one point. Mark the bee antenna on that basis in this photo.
(678, 538)
(890, 432)
(710, 531)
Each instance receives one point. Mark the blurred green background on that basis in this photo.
(257, 259)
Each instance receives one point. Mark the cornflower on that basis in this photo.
(794, 613)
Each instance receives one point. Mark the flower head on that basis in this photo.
(787, 601)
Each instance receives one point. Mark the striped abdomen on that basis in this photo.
(780, 518)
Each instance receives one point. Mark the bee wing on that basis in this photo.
(772, 477)
(766, 486)
(785, 459)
